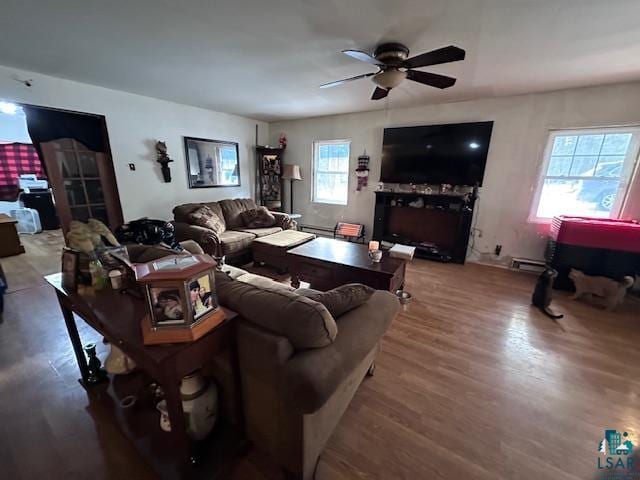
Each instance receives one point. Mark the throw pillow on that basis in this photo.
(258, 218)
(203, 216)
(342, 299)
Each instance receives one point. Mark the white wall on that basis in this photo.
(135, 123)
(13, 128)
(517, 146)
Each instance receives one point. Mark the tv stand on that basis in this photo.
(439, 229)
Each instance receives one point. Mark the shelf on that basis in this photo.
(460, 211)
(419, 194)
(142, 427)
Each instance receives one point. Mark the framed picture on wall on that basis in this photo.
(212, 163)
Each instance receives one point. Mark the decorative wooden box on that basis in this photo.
(181, 298)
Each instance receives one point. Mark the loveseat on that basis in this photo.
(299, 366)
(232, 238)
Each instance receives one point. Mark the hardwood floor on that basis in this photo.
(471, 382)
(42, 257)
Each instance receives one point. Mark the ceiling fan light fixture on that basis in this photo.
(390, 78)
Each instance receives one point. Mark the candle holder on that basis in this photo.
(97, 374)
(375, 255)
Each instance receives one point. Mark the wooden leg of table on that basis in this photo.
(72, 330)
(180, 440)
(237, 380)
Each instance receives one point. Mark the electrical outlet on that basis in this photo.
(498, 250)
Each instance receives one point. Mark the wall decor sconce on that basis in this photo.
(164, 160)
(362, 171)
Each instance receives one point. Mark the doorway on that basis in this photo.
(76, 179)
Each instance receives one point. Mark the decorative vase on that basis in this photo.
(117, 363)
(199, 403)
(165, 423)
(375, 255)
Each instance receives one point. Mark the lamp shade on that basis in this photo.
(389, 78)
(291, 172)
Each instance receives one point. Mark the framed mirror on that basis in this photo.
(212, 163)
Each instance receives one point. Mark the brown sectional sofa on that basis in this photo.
(299, 366)
(235, 241)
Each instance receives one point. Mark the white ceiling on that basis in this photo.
(265, 58)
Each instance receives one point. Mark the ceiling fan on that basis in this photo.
(394, 66)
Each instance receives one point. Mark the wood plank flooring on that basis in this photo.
(471, 383)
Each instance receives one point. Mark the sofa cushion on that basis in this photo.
(341, 299)
(233, 208)
(258, 280)
(261, 232)
(264, 282)
(258, 218)
(181, 212)
(305, 323)
(233, 272)
(203, 216)
(234, 242)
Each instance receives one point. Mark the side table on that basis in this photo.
(9, 239)
(117, 317)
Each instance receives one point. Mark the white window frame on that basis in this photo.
(629, 169)
(314, 160)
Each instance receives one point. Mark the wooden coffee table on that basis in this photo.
(326, 263)
(272, 249)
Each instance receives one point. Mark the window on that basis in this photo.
(586, 173)
(331, 171)
(229, 165)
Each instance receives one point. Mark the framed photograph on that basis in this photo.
(167, 306)
(211, 163)
(70, 267)
(112, 257)
(201, 295)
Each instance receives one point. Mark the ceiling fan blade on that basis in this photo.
(431, 79)
(340, 82)
(379, 93)
(362, 56)
(436, 57)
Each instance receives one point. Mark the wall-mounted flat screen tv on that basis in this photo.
(454, 153)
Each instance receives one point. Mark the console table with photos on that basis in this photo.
(117, 317)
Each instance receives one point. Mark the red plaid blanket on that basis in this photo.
(16, 159)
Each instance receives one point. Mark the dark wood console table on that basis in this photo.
(117, 317)
(439, 229)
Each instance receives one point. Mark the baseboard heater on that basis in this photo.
(528, 265)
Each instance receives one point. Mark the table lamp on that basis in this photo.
(291, 173)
